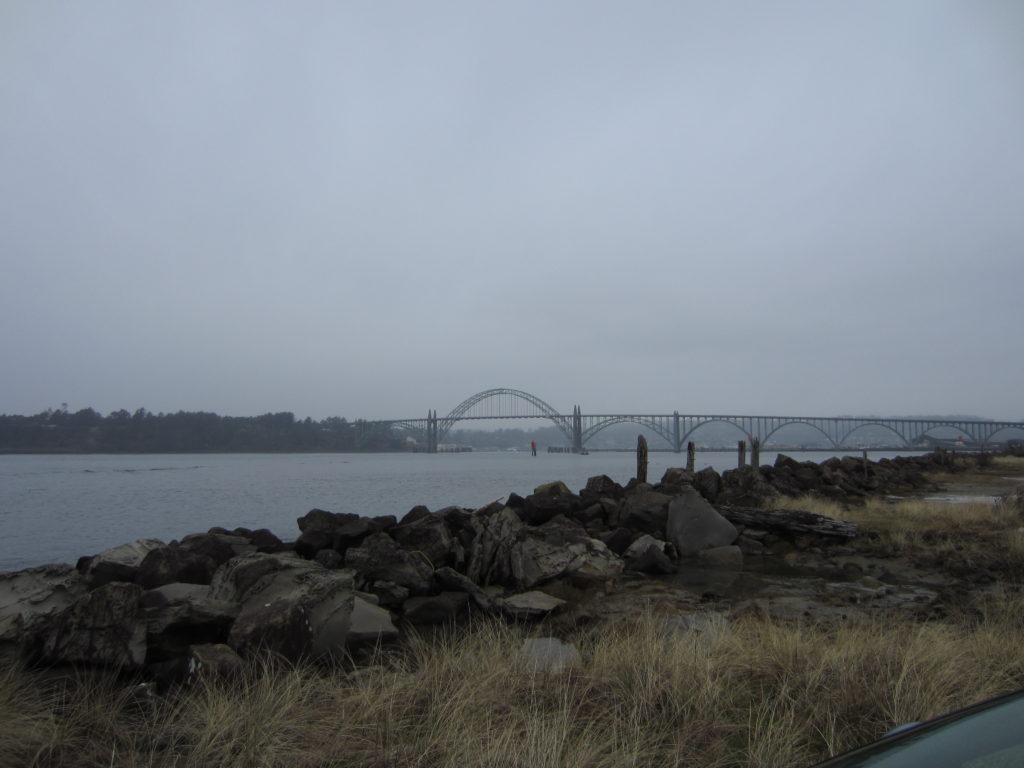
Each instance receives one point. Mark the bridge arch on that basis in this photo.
(1019, 429)
(906, 440)
(688, 435)
(826, 435)
(543, 410)
(650, 423)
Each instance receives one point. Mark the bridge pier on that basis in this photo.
(577, 429)
(431, 431)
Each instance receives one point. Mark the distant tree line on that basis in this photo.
(86, 431)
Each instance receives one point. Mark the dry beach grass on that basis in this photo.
(750, 692)
(755, 693)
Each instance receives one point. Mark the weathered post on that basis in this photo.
(691, 456)
(864, 455)
(741, 447)
(755, 452)
(641, 459)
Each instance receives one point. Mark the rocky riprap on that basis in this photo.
(199, 605)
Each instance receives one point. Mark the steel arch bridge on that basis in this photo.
(675, 428)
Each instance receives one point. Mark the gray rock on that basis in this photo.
(281, 627)
(707, 483)
(379, 558)
(602, 485)
(32, 597)
(239, 576)
(213, 661)
(219, 547)
(370, 624)
(531, 605)
(548, 501)
(329, 558)
(554, 551)
(166, 565)
(427, 534)
(104, 627)
(388, 593)
(289, 605)
(645, 511)
(179, 615)
(694, 525)
(647, 555)
(494, 532)
(549, 654)
(675, 478)
(120, 563)
(449, 578)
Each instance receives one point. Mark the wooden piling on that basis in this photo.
(691, 456)
(755, 452)
(741, 447)
(641, 459)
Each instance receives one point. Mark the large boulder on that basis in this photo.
(370, 624)
(289, 606)
(103, 627)
(744, 487)
(494, 533)
(675, 478)
(379, 558)
(558, 550)
(120, 563)
(174, 563)
(427, 534)
(644, 512)
(451, 579)
(242, 576)
(707, 483)
(213, 661)
(32, 597)
(647, 555)
(282, 627)
(219, 547)
(548, 501)
(353, 532)
(601, 486)
(179, 615)
(694, 525)
(316, 531)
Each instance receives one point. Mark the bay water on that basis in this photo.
(57, 508)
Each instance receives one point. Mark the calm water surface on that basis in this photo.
(57, 508)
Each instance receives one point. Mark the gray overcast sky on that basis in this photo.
(374, 209)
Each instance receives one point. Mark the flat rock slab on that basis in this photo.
(369, 623)
(531, 605)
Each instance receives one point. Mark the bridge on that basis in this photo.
(677, 429)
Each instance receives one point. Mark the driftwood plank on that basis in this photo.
(789, 520)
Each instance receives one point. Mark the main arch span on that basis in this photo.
(675, 428)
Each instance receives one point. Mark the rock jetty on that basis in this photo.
(198, 606)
